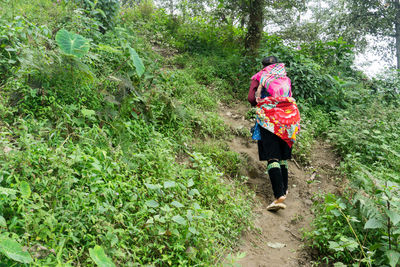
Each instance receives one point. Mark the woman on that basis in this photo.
(278, 121)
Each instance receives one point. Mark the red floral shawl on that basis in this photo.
(280, 116)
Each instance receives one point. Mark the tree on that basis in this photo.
(247, 14)
(356, 22)
(380, 18)
(312, 21)
(255, 26)
(251, 15)
(284, 18)
(267, 15)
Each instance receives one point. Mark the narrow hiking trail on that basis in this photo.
(276, 240)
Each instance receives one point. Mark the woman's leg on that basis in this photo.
(284, 171)
(275, 175)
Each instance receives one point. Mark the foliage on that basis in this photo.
(388, 84)
(201, 37)
(368, 132)
(56, 12)
(95, 148)
(313, 124)
(227, 161)
(119, 149)
(14, 36)
(100, 258)
(72, 44)
(310, 80)
(377, 18)
(356, 21)
(367, 218)
(157, 208)
(104, 11)
(136, 61)
(337, 53)
(13, 249)
(333, 233)
(349, 238)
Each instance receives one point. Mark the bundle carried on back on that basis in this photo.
(277, 110)
(273, 78)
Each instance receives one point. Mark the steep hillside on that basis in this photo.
(116, 146)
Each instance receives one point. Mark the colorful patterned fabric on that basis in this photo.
(273, 165)
(274, 79)
(280, 116)
(283, 163)
(277, 69)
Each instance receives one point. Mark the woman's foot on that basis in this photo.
(277, 204)
(286, 193)
(280, 199)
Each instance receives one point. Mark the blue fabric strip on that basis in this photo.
(256, 134)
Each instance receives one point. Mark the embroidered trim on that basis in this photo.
(284, 163)
(273, 165)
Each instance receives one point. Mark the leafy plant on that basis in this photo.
(100, 258)
(366, 219)
(122, 143)
(136, 61)
(74, 47)
(13, 250)
(103, 10)
(72, 44)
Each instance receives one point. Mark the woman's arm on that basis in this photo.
(258, 92)
(252, 90)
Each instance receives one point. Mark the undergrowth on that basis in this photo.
(112, 150)
(91, 146)
(362, 227)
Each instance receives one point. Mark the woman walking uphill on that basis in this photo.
(278, 121)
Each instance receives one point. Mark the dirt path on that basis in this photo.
(282, 228)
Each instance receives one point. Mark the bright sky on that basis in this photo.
(371, 62)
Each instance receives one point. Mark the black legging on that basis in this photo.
(278, 174)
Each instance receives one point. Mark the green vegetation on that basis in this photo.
(364, 224)
(112, 151)
(99, 161)
(361, 119)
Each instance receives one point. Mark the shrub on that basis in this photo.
(104, 11)
(367, 217)
(310, 79)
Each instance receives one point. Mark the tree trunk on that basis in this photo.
(171, 6)
(397, 27)
(255, 26)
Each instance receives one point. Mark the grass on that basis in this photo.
(89, 161)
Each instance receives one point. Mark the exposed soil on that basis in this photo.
(282, 228)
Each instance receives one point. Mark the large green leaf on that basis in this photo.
(137, 62)
(7, 191)
(25, 189)
(177, 204)
(100, 258)
(72, 43)
(179, 219)
(373, 224)
(394, 216)
(13, 250)
(169, 184)
(3, 222)
(393, 257)
(152, 204)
